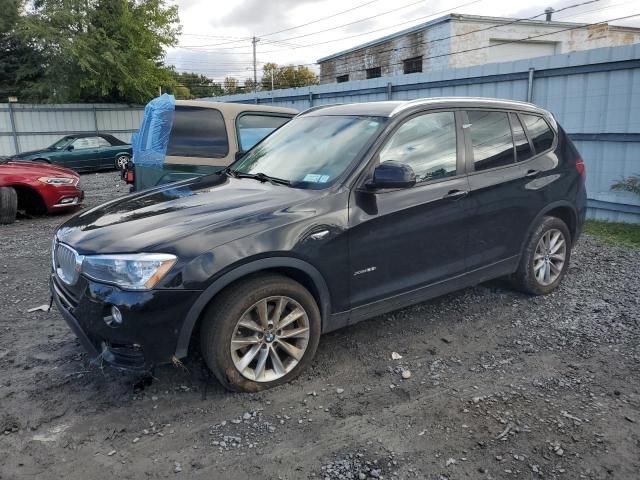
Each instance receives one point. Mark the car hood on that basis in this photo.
(203, 213)
(31, 153)
(36, 169)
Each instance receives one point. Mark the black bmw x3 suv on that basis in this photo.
(345, 213)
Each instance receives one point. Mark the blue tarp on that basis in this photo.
(150, 142)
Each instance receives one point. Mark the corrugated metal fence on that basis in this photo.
(27, 127)
(595, 95)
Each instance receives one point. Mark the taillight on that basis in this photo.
(130, 176)
(581, 168)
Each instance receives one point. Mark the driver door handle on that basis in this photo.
(456, 194)
(532, 173)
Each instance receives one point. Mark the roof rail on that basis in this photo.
(317, 107)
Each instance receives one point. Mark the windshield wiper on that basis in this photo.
(227, 171)
(262, 177)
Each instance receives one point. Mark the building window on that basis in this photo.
(412, 65)
(375, 72)
(342, 78)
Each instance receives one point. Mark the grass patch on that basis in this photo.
(614, 233)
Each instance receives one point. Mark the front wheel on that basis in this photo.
(260, 332)
(122, 161)
(545, 259)
(8, 205)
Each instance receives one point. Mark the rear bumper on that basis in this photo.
(148, 334)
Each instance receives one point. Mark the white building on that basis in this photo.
(455, 41)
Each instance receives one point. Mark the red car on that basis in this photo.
(37, 188)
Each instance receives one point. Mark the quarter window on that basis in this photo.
(253, 128)
(101, 142)
(198, 132)
(539, 132)
(490, 139)
(523, 149)
(427, 144)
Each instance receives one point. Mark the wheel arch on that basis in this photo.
(561, 209)
(29, 198)
(299, 270)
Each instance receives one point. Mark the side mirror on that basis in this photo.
(70, 148)
(240, 154)
(392, 174)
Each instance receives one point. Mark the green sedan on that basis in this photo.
(83, 152)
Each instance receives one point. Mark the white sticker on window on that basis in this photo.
(316, 178)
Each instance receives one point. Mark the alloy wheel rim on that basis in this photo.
(122, 161)
(549, 257)
(270, 339)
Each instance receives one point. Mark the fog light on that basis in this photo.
(115, 318)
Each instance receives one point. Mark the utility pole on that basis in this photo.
(254, 41)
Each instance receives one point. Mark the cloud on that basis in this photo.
(263, 16)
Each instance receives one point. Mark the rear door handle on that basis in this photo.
(456, 194)
(532, 173)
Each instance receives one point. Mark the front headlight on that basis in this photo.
(57, 180)
(140, 271)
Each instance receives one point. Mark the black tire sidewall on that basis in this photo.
(221, 318)
(530, 284)
(8, 205)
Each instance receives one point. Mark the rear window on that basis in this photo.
(198, 132)
(539, 132)
(490, 139)
(252, 128)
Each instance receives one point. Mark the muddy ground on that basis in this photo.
(502, 385)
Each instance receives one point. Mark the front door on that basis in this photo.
(404, 239)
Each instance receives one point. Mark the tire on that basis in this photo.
(537, 258)
(221, 327)
(121, 162)
(8, 205)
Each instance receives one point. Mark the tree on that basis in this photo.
(629, 184)
(100, 50)
(231, 86)
(287, 76)
(199, 85)
(20, 64)
(182, 92)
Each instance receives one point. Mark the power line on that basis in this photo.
(320, 19)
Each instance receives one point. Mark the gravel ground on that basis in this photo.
(482, 383)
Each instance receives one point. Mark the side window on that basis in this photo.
(523, 149)
(253, 128)
(101, 142)
(84, 143)
(427, 143)
(490, 139)
(539, 132)
(198, 132)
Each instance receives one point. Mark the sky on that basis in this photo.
(216, 35)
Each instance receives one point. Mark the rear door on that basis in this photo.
(403, 239)
(506, 191)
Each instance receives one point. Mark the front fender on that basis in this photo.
(242, 271)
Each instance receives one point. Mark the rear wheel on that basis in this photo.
(122, 161)
(545, 259)
(260, 332)
(8, 205)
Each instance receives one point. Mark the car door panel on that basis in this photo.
(504, 201)
(404, 239)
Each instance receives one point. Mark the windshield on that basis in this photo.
(311, 152)
(63, 142)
